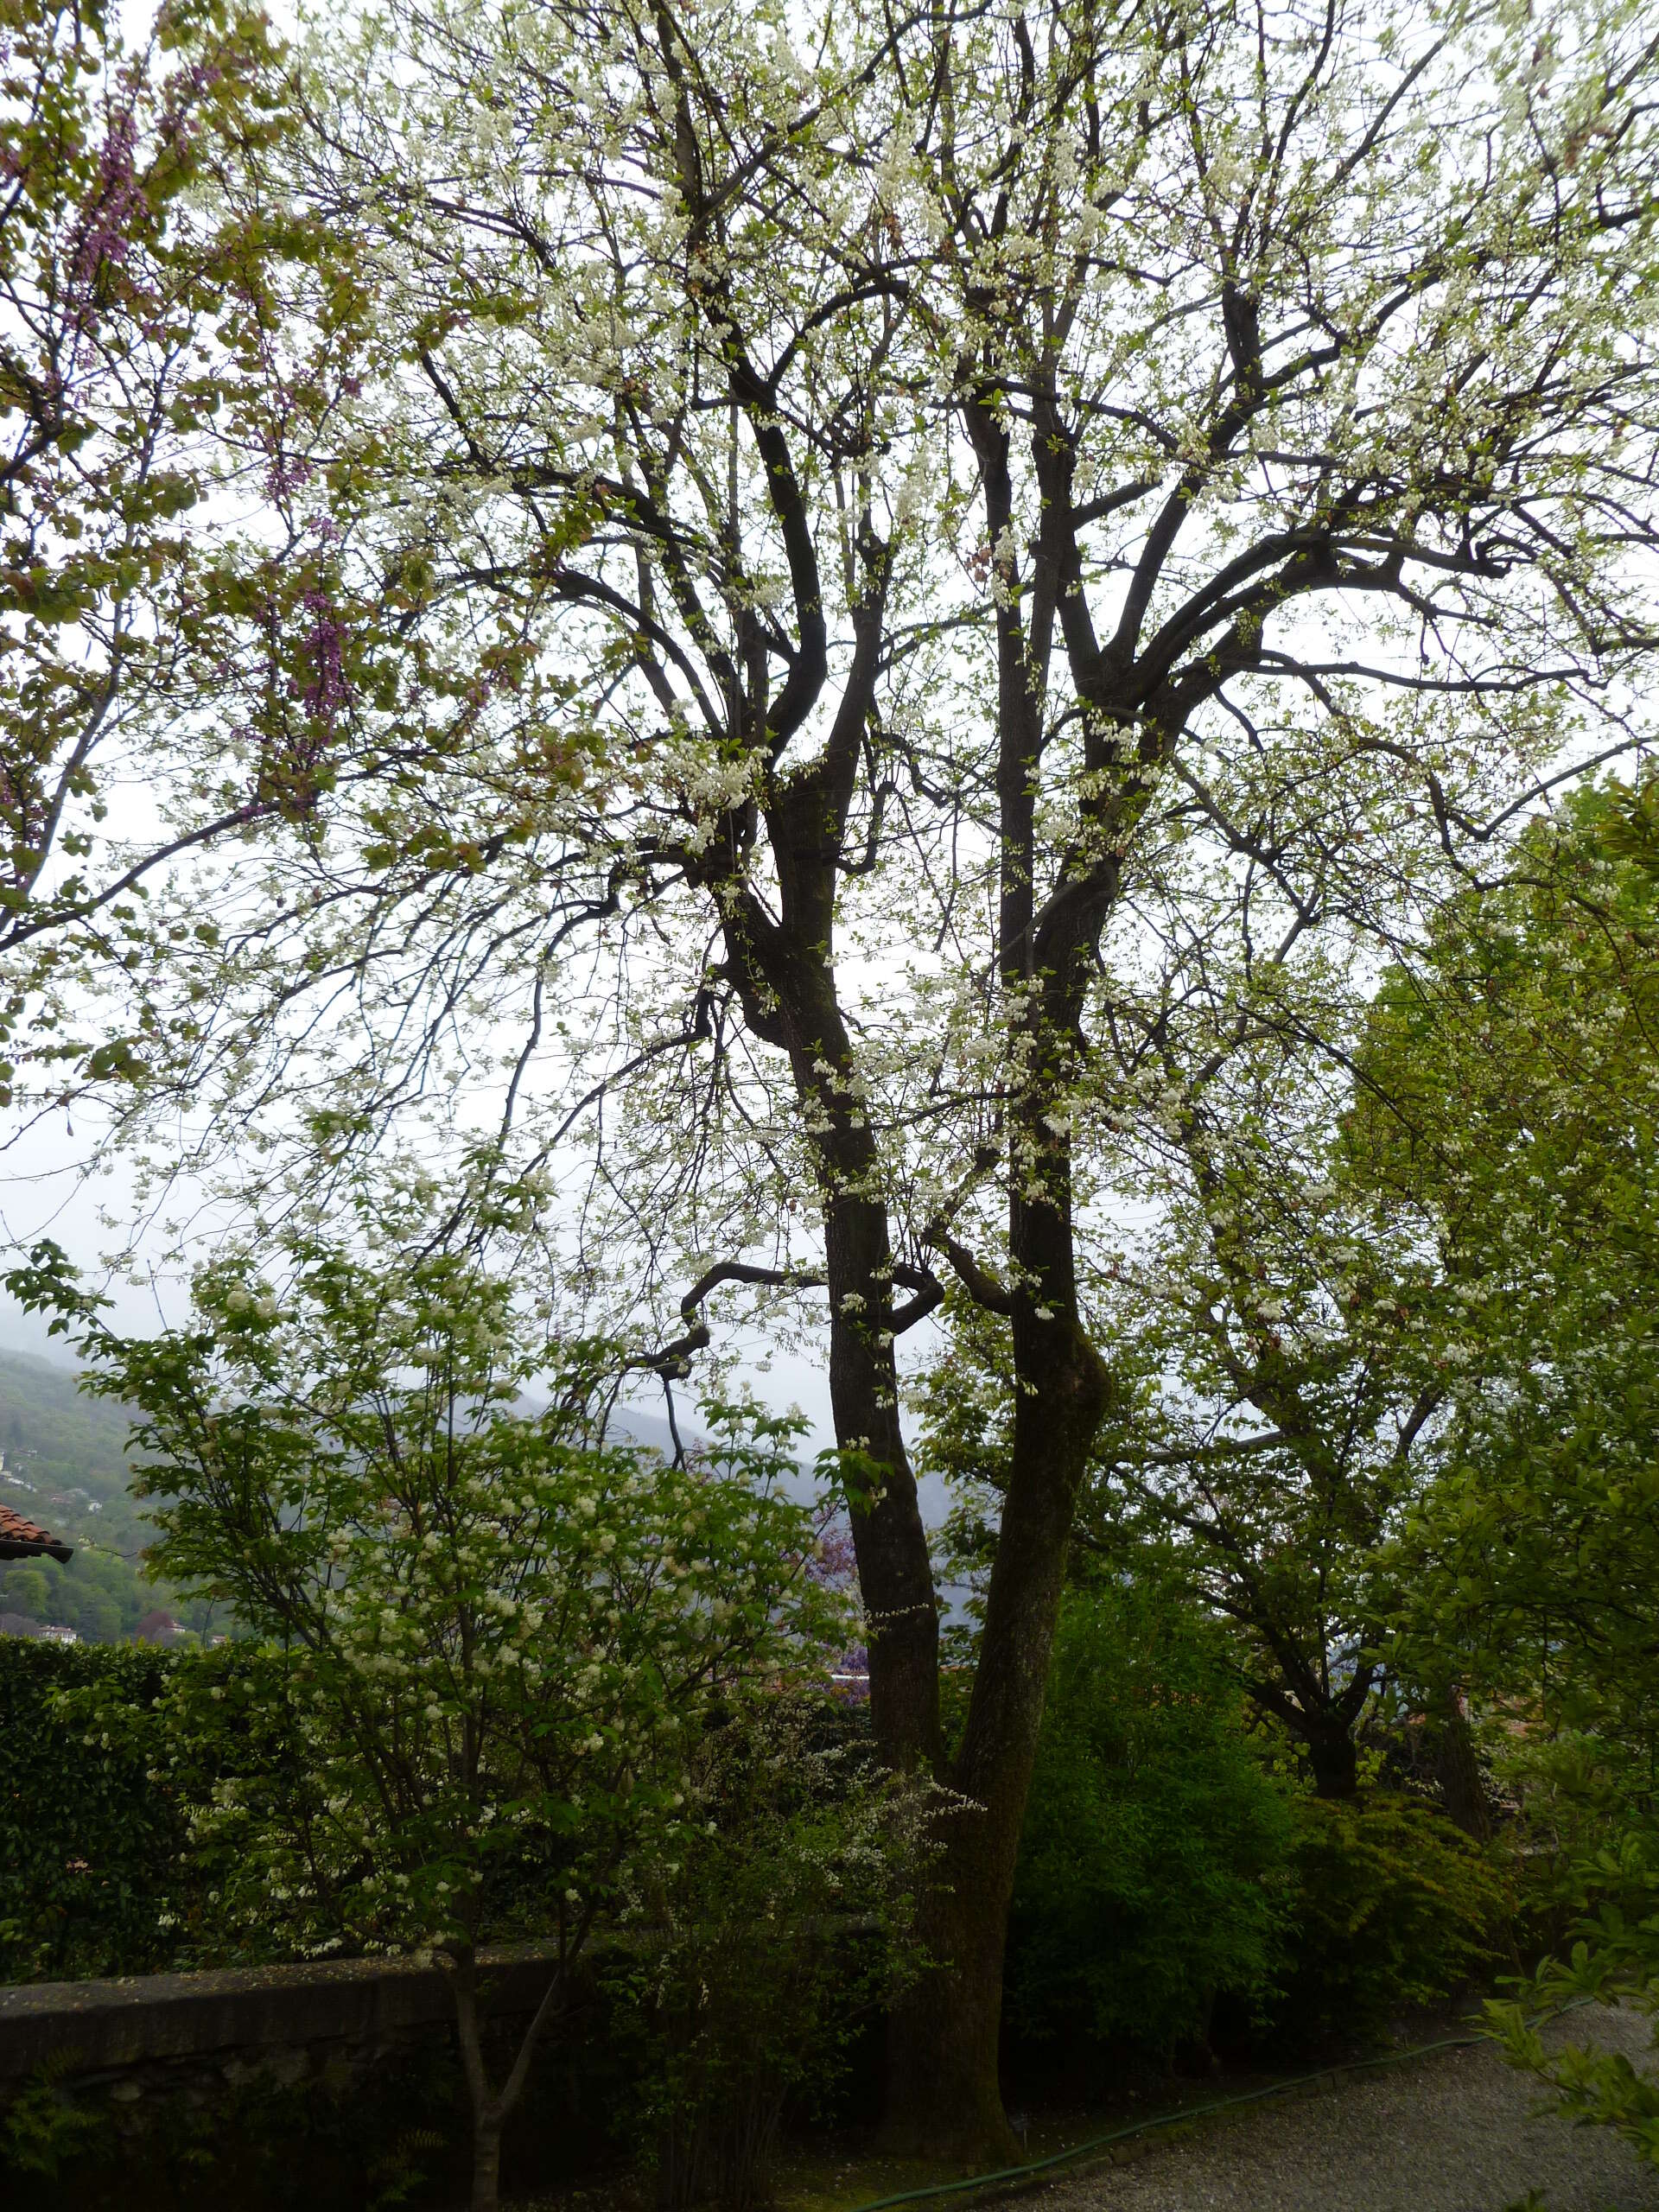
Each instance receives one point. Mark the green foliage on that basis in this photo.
(67, 1465)
(485, 1640)
(1170, 1858)
(1613, 1958)
(788, 1907)
(1588, 1816)
(57, 1436)
(1388, 1906)
(107, 1758)
(91, 1840)
(1155, 1842)
(45, 2126)
(100, 1595)
(1511, 1095)
(485, 1646)
(402, 2169)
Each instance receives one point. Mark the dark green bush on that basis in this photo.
(104, 1750)
(1155, 1842)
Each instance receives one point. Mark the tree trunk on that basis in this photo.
(490, 2112)
(944, 2097)
(1456, 1770)
(895, 1573)
(785, 972)
(1334, 1758)
(486, 2164)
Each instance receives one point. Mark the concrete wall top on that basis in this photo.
(109, 2024)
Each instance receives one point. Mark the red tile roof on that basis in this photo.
(21, 1538)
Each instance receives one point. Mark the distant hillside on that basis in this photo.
(69, 1440)
(65, 1466)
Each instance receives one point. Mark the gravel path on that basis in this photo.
(1451, 2134)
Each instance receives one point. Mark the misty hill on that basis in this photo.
(55, 1435)
(65, 1466)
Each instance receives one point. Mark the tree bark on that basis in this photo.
(1334, 1758)
(945, 2098)
(486, 2166)
(895, 1573)
(492, 2111)
(1457, 1770)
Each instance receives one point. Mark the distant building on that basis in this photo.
(54, 1632)
(21, 1538)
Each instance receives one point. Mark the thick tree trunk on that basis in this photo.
(944, 2096)
(1334, 1758)
(1456, 1770)
(944, 2066)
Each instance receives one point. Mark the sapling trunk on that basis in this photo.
(486, 2164)
(490, 2111)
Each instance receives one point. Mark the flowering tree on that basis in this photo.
(497, 1644)
(184, 664)
(132, 287)
(997, 550)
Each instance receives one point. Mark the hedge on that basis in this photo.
(91, 1848)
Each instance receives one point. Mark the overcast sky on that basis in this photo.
(45, 1192)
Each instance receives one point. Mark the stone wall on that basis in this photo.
(273, 2086)
(281, 2019)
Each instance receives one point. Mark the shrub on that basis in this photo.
(786, 1921)
(1155, 1837)
(1389, 1906)
(1591, 1897)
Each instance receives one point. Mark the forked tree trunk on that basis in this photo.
(944, 2093)
(491, 2109)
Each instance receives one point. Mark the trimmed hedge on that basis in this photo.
(90, 1847)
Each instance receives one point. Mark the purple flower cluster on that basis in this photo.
(329, 691)
(106, 220)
